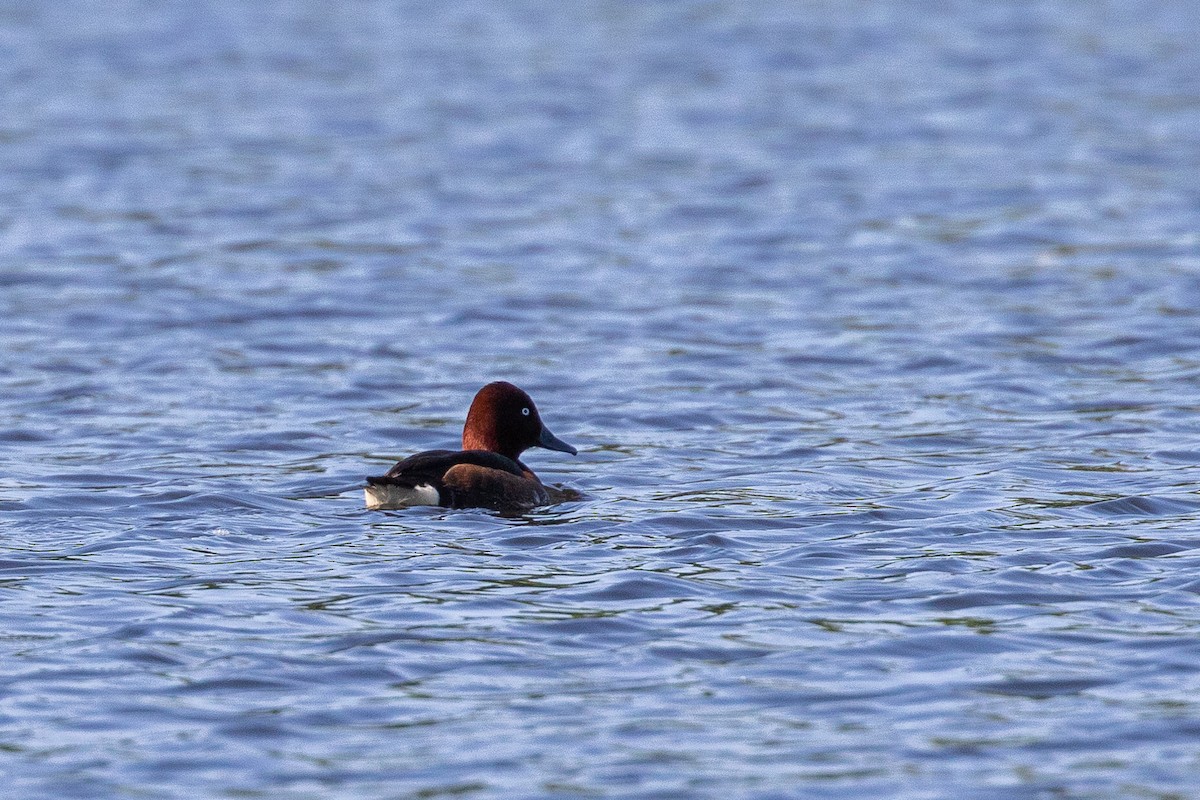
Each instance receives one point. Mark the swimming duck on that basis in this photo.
(501, 424)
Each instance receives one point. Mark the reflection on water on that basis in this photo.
(876, 331)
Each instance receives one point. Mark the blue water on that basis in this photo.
(876, 325)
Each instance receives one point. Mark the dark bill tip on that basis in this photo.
(551, 442)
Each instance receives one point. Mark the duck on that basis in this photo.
(487, 472)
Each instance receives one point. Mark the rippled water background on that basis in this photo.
(876, 325)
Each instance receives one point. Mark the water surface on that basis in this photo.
(876, 330)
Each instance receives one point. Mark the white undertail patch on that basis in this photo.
(382, 497)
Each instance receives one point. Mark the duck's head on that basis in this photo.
(504, 419)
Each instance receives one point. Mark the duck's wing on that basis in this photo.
(472, 485)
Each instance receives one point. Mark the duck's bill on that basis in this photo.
(551, 442)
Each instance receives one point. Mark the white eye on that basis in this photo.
(525, 412)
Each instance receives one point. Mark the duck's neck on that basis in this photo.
(474, 440)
